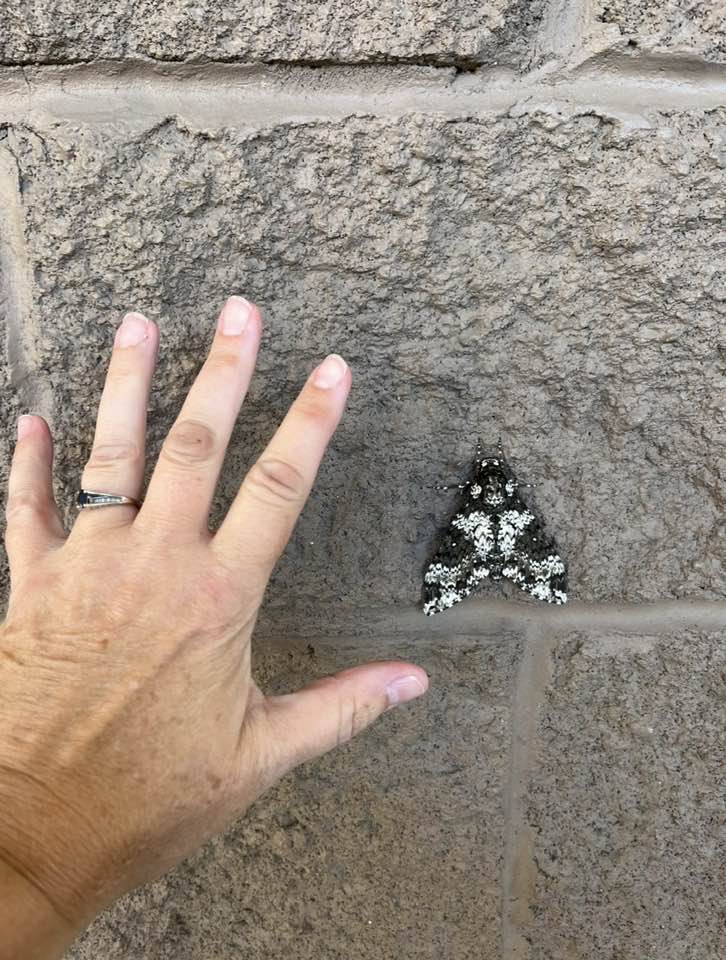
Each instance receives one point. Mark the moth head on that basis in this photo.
(493, 482)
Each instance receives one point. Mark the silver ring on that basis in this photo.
(92, 498)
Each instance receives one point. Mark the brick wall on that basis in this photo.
(508, 217)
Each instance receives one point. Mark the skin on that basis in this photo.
(131, 727)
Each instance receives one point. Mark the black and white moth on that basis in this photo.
(493, 534)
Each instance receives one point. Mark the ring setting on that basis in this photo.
(93, 498)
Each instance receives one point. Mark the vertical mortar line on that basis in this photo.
(519, 870)
(564, 32)
(22, 328)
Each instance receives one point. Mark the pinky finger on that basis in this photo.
(33, 523)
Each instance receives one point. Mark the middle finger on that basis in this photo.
(181, 489)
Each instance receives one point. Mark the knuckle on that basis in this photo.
(108, 455)
(24, 502)
(124, 366)
(355, 715)
(311, 407)
(244, 577)
(222, 360)
(190, 442)
(218, 585)
(276, 481)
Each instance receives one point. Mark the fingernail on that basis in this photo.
(235, 316)
(134, 328)
(25, 425)
(330, 372)
(403, 689)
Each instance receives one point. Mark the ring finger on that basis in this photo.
(116, 462)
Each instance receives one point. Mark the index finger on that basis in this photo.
(268, 503)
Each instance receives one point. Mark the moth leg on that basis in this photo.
(452, 486)
(521, 484)
(500, 449)
(501, 454)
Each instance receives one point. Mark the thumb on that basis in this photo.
(334, 709)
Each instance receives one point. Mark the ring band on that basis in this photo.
(92, 498)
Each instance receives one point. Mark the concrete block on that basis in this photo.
(673, 26)
(389, 846)
(626, 800)
(452, 32)
(554, 281)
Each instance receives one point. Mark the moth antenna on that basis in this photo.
(500, 447)
(479, 447)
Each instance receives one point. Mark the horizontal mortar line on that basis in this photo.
(443, 62)
(485, 618)
(675, 66)
(139, 94)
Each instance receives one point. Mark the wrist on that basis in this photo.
(44, 890)
(31, 926)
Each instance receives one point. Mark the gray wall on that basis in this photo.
(509, 218)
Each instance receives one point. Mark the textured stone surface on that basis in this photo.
(558, 282)
(8, 414)
(359, 31)
(555, 282)
(674, 26)
(390, 846)
(627, 800)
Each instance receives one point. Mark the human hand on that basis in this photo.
(131, 729)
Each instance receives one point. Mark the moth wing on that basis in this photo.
(460, 561)
(531, 556)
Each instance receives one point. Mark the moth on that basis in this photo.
(493, 535)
